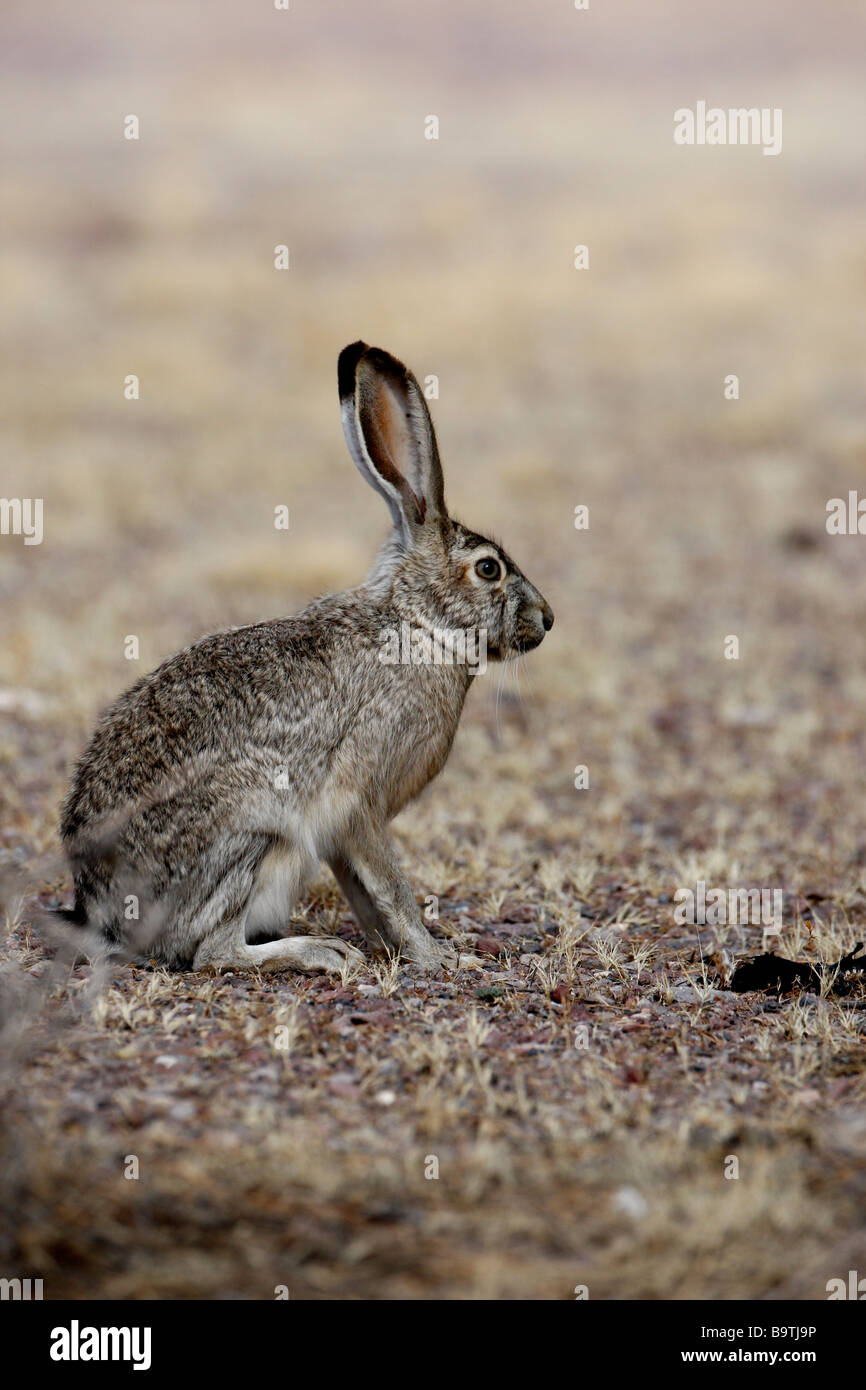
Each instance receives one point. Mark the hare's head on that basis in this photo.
(434, 569)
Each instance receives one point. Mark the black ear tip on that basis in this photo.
(347, 364)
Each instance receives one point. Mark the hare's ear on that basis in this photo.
(390, 436)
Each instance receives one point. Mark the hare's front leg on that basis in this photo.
(380, 895)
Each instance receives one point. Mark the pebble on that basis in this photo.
(631, 1203)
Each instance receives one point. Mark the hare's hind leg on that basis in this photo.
(226, 948)
(256, 895)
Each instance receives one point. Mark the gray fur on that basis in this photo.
(213, 789)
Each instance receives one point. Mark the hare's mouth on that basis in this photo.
(531, 626)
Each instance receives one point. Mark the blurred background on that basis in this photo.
(557, 387)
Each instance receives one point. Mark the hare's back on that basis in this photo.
(230, 693)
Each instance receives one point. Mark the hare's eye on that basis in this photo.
(488, 568)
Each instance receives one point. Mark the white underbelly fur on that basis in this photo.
(279, 883)
(288, 867)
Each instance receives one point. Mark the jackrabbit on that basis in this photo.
(214, 788)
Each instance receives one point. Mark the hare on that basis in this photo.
(212, 791)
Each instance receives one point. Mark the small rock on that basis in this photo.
(514, 911)
(684, 994)
(609, 935)
(489, 945)
(636, 1021)
(513, 929)
(346, 1090)
(631, 1203)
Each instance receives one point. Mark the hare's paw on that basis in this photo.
(466, 961)
(451, 959)
(314, 954)
(439, 956)
(306, 954)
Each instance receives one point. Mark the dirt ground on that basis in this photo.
(588, 1111)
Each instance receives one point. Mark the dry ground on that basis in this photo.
(581, 1095)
